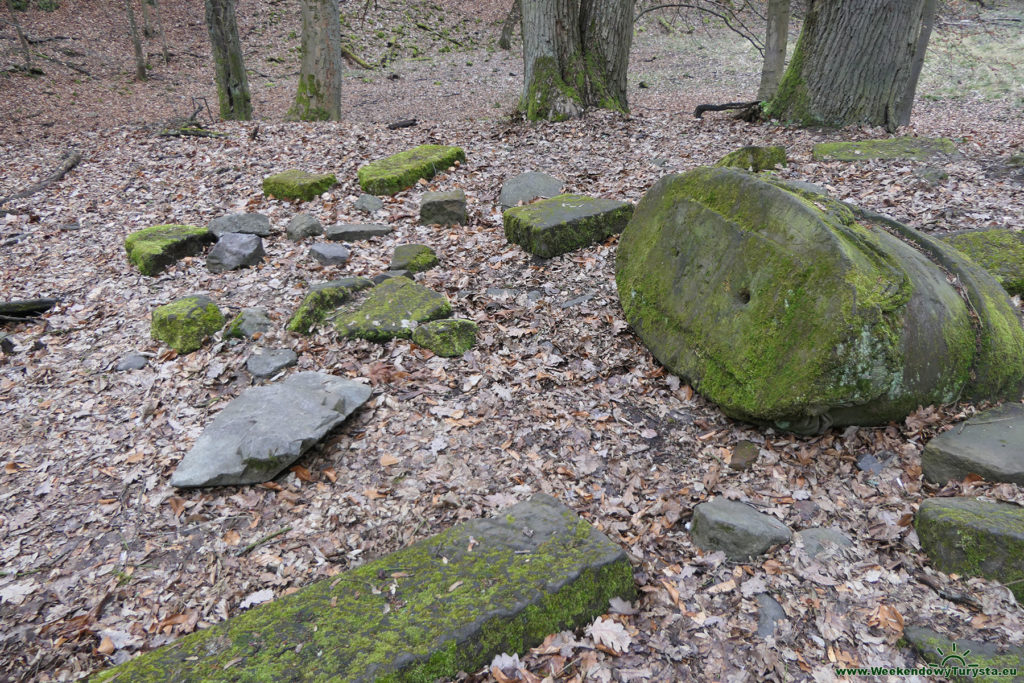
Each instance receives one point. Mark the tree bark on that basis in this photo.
(232, 83)
(776, 37)
(319, 93)
(854, 63)
(140, 59)
(509, 26)
(147, 21)
(25, 52)
(160, 30)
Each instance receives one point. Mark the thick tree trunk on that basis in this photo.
(140, 59)
(776, 37)
(575, 55)
(927, 22)
(854, 63)
(25, 52)
(319, 94)
(232, 83)
(147, 20)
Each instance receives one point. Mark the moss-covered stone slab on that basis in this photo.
(153, 249)
(565, 223)
(999, 251)
(754, 158)
(990, 444)
(414, 258)
(249, 323)
(790, 308)
(297, 184)
(448, 338)
(400, 171)
(909, 148)
(446, 604)
(394, 308)
(973, 537)
(323, 298)
(184, 324)
(966, 660)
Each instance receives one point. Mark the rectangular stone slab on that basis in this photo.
(445, 604)
(990, 444)
(402, 170)
(565, 223)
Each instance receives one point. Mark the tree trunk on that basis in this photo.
(927, 22)
(160, 30)
(575, 55)
(232, 83)
(140, 59)
(854, 63)
(776, 37)
(25, 51)
(147, 21)
(319, 94)
(509, 26)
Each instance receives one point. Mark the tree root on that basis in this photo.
(70, 160)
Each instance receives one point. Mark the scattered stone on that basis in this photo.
(736, 528)
(803, 314)
(269, 362)
(267, 428)
(931, 175)
(303, 225)
(577, 301)
(1016, 160)
(447, 338)
(910, 148)
(999, 251)
(184, 324)
(234, 251)
(388, 274)
(769, 613)
(414, 258)
(660, 162)
(296, 184)
(243, 223)
(973, 537)
(444, 208)
(867, 462)
(330, 254)
(938, 650)
(69, 227)
(744, 455)
(565, 223)
(754, 158)
(132, 361)
(501, 292)
(394, 308)
(249, 323)
(367, 203)
(6, 343)
(322, 299)
(525, 187)
(990, 444)
(356, 231)
(400, 171)
(153, 249)
(482, 588)
(817, 540)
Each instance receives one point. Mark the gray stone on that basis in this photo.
(447, 603)
(744, 455)
(769, 612)
(249, 323)
(154, 249)
(931, 175)
(565, 223)
(414, 258)
(245, 223)
(323, 298)
(235, 250)
(443, 208)
(267, 428)
(132, 361)
(303, 225)
(394, 308)
(367, 203)
(356, 231)
(330, 254)
(577, 301)
(869, 463)
(990, 444)
(269, 362)
(817, 540)
(6, 343)
(940, 650)
(736, 528)
(526, 187)
(388, 274)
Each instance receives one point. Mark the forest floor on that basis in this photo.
(101, 557)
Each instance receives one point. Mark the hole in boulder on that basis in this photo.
(743, 296)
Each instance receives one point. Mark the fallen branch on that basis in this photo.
(71, 159)
(404, 123)
(952, 596)
(191, 131)
(699, 111)
(269, 537)
(429, 29)
(350, 54)
(67, 65)
(28, 308)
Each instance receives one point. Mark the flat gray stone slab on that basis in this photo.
(269, 362)
(367, 203)
(446, 604)
(297, 184)
(443, 208)
(975, 538)
(303, 225)
(323, 298)
(526, 187)
(249, 323)
(935, 649)
(388, 274)
(990, 444)
(736, 528)
(394, 308)
(565, 223)
(132, 361)
(233, 251)
(356, 231)
(268, 428)
(818, 540)
(330, 254)
(769, 612)
(246, 223)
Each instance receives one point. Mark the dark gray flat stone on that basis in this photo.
(769, 613)
(367, 203)
(388, 274)
(245, 223)
(303, 225)
(132, 361)
(414, 258)
(235, 250)
(356, 231)
(528, 186)
(990, 444)
(269, 362)
(443, 208)
(936, 648)
(249, 323)
(330, 254)
(817, 540)
(736, 528)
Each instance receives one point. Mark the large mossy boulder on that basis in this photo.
(909, 148)
(297, 184)
(999, 251)
(788, 307)
(152, 250)
(184, 324)
(400, 171)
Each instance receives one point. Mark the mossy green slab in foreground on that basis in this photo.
(939, 650)
(446, 338)
(565, 223)
(296, 184)
(185, 323)
(393, 309)
(975, 538)
(914, 149)
(445, 604)
(153, 249)
(321, 300)
(402, 170)
(999, 251)
(753, 158)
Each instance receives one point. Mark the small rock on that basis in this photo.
(526, 187)
(660, 162)
(577, 301)
(414, 258)
(400, 171)
(303, 225)
(769, 613)
(871, 464)
(269, 362)
(233, 251)
(330, 254)
(388, 274)
(565, 223)
(132, 361)
(443, 208)
(931, 175)
(738, 529)
(249, 323)
(184, 324)
(6, 343)
(296, 184)
(754, 158)
(244, 223)
(356, 231)
(447, 338)
(744, 455)
(990, 444)
(817, 540)
(153, 249)
(69, 227)
(367, 203)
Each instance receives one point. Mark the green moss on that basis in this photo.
(548, 96)
(296, 184)
(307, 98)
(753, 158)
(153, 249)
(447, 338)
(918, 149)
(999, 251)
(185, 323)
(400, 171)
(939, 650)
(565, 223)
(414, 258)
(393, 309)
(321, 300)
